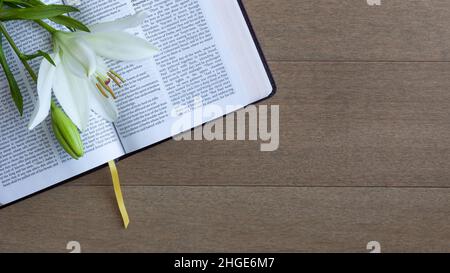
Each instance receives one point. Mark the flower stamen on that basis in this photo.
(112, 77)
(110, 91)
(99, 87)
(106, 86)
(117, 75)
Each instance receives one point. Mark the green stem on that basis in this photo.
(46, 26)
(22, 56)
(18, 52)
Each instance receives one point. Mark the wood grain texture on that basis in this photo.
(332, 30)
(364, 152)
(239, 219)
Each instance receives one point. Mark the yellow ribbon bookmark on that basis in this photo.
(118, 192)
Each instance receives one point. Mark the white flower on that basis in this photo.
(81, 80)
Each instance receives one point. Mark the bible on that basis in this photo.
(208, 55)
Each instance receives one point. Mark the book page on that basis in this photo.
(196, 66)
(31, 161)
(239, 51)
(141, 102)
(190, 68)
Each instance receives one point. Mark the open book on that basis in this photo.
(208, 56)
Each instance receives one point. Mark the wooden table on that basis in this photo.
(364, 95)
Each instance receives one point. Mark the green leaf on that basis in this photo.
(14, 88)
(16, 2)
(40, 53)
(23, 3)
(30, 2)
(35, 13)
(70, 23)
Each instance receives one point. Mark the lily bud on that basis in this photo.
(66, 133)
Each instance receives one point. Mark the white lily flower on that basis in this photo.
(81, 80)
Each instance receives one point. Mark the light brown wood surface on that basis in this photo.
(364, 95)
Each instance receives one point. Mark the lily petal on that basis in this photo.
(73, 66)
(102, 68)
(44, 90)
(120, 24)
(72, 93)
(104, 107)
(120, 46)
(79, 57)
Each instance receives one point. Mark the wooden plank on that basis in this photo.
(397, 30)
(179, 219)
(342, 124)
